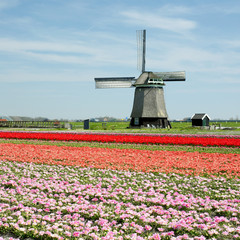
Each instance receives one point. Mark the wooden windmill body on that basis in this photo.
(149, 109)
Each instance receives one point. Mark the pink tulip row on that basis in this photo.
(66, 202)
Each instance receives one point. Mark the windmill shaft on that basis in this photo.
(149, 108)
(149, 103)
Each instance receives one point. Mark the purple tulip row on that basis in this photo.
(136, 134)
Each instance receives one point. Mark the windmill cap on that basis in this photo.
(149, 78)
(158, 78)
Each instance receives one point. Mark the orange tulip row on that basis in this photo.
(125, 159)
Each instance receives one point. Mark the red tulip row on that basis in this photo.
(124, 159)
(144, 139)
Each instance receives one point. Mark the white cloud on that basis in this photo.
(8, 4)
(159, 21)
(173, 10)
(227, 8)
(10, 45)
(218, 64)
(232, 43)
(41, 76)
(92, 50)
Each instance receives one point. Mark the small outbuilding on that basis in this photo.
(200, 119)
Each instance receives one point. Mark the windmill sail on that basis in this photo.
(115, 82)
(141, 49)
(171, 76)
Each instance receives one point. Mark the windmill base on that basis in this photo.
(150, 122)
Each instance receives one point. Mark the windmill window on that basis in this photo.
(155, 81)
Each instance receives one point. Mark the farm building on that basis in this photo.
(200, 119)
(5, 118)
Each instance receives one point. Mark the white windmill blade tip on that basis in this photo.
(120, 82)
(171, 76)
(170, 73)
(114, 79)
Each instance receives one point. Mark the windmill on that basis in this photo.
(149, 105)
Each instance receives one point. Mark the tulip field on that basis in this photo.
(119, 186)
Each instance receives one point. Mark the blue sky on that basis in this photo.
(51, 50)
